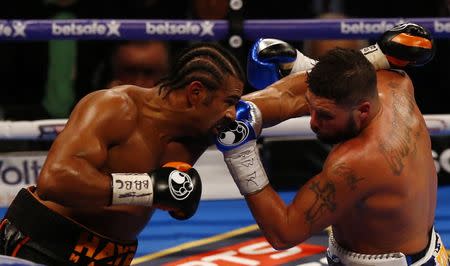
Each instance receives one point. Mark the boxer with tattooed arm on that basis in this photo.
(377, 188)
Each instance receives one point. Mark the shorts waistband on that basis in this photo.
(338, 255)
(433, 254)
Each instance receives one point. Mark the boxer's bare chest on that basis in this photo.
(139, 153)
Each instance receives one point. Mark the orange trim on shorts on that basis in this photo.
(3, 223)
(414, 41)
(396, 61)
(21, 243)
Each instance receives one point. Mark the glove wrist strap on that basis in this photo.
(131, 189)
(302, 63)
(375, 56)
(246, 168)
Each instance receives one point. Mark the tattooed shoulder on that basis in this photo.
(393, 84)
(324, 191)
(347, 173)
(401, 142)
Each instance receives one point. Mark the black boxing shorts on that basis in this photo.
(33, 232)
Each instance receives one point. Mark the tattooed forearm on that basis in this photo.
(325, 194)
(348, 174)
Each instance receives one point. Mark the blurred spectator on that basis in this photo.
(210, 9)
(30, 70)
(431, 81)
(389, 8)
(280, 9)
(39, 77)
(141, 63)
(317, 48)
(27, 67)
(59, 96)
(148, 9)
(56, 74)
(96, 57)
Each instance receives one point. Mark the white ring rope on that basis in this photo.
(31, 130)
(438, 125)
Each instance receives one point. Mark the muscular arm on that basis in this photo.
(285, 98)
(321, 202)
(70, 175)
(282, 100)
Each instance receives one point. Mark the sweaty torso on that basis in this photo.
(397, 212)
(139, 155)
(141, 152)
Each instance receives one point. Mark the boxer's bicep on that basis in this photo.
(72, 163)
(98, 121)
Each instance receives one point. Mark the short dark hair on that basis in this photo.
(343, 75)
(206, 62)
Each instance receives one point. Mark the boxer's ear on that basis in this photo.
(196, 93)
(363, 110)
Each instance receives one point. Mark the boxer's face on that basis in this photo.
(140, 63)
(219, 110)
(332, 123)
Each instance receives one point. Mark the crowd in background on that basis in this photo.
(51, 76)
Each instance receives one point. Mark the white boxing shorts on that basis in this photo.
(434, 255)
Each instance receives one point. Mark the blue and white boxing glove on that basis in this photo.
(271, 59)
(245, 128)
(238, 145)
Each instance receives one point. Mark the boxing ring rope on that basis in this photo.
(23, 170)
(292, 29)
(123, 29)
(438, 125)
(18, 169)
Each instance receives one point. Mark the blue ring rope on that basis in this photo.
(292, 29)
